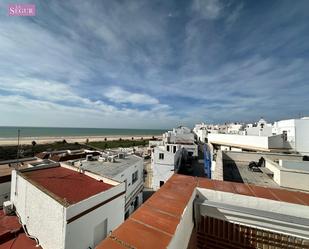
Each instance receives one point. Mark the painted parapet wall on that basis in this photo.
(265, 214)
(290, 174)
(184, 229)
(89, 221)
(239, 140)
(302, 136)
(255, 156)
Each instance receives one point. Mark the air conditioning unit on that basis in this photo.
(8, 207)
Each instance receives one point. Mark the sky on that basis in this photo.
(153, 64)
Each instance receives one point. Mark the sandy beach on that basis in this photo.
(71, 139)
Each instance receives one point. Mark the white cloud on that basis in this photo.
(119, 95)
(208, 9)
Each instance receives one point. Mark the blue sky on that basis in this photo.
(153, 64)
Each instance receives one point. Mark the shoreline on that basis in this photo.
(71, 139)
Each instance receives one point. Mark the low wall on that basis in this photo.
(255, 156)
(289, 177)
(297, 165)
(217, 174)
(239, 140)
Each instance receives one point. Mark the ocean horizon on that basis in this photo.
(7, 132)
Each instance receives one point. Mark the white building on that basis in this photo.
(65, 209)
(296, 132)
(261, 128)
(246, 142)
(122, 168)
(163, 156)
(201, 132)
(235, 128)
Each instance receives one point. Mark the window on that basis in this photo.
(168, 148)
(134, 177)
(161, 156)
(174, 149)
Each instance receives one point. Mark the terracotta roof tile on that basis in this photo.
(148, 238)
(287, 196)
(165, 203)
(9, 227)
(304, 197)
(242, 189)
(224, 186)
(20, 242)
(262, 192)
(206, 183)
(111, 244)
(156, 218)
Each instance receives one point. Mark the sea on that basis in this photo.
(9, 132)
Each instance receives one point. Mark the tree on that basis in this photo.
(33, 144)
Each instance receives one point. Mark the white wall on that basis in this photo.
(290, 174)
(42, 215)
(273, 167)
(297, 165)
(163, 169)
(160, 173)
(201, 135)
(184, 229)
(88, 230)
(302, 136)
(126, 175)
(257, 131)
(168, 159)
(5, 190)
(249, 142)
(239, 140)
(289, 127)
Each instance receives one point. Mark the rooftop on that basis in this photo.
(158, 218)
(65, 185)
(12, 235)
(111, 169)
(239, 172)
(7, 166)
